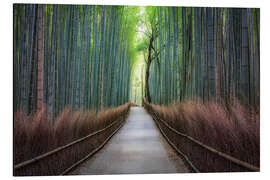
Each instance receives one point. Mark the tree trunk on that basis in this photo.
(211, 59)
(149, 60)
(244, 59)
(40, 57)
(219, 53)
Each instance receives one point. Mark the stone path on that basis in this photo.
(138, 148)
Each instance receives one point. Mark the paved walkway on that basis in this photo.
(137, 148)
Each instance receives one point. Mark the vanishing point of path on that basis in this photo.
(137, 148)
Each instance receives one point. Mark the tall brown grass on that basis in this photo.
(37, 134)
(232, 129)
(133, 104)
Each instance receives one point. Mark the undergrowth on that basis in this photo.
(37, 133)
(232, 129)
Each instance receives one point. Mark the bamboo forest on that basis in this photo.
(82, 69)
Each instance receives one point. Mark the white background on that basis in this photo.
(6, 81)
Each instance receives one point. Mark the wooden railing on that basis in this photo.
(221, 160)
(51, 163)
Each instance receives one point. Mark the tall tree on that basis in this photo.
(40, 56)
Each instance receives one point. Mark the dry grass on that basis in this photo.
(36, 134)
(133, 104)
(233, 129)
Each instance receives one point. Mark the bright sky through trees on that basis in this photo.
(137, 74)
(205, 53)
(94, 57)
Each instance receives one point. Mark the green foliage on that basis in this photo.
(88, 55)
(91, 54)
(142, 45)
(201, 54)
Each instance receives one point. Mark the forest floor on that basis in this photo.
(137, 148)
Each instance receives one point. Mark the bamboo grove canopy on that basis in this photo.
(210, 53)
(82, 56)
(75, 55)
